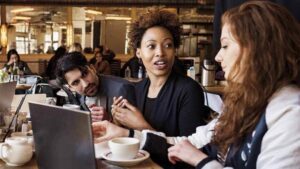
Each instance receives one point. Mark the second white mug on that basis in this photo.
(71, 106)
(124, 148)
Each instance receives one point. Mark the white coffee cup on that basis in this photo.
(71, 106)
(51, 100)
(124, 148)
(101, 148)
(15, 151)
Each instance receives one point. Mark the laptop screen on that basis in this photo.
(7, 92)
(63, 138)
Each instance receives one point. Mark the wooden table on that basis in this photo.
(218, 89)
(102, 164)
(23, 86)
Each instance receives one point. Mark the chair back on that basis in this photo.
(44, 88)
(115, 66)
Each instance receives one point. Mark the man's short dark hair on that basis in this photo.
(70, 61)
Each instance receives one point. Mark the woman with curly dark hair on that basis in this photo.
(167, 101)
(259, 126)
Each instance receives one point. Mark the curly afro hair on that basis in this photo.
(151, 19)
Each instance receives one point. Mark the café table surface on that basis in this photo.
(23, 86)
(101, 164)
(217, 89)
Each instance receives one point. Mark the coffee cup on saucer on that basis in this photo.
(101, 148)
(124, 148)
(71, 106)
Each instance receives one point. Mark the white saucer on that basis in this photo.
(141, 156)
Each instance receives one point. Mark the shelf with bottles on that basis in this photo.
(197, 28)
(196, 17)
(206, 6)
(197, 31)
(209, 33)
(207, 19)
(192, 45)
(194, 38)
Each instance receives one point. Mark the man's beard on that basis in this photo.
(93, 87)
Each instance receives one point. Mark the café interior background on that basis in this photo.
(30, 27)
(34, 28)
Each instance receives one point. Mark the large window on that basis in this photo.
(22, 44)
(48, 42)
(22, 27)
(55, 40)
(22, 41)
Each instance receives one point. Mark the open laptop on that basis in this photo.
(7, 92)
(40, 98)
(63, 137)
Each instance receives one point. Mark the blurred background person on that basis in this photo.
(88, 50)
(98, 48)
(133, 65)
(75, 47)
(51, 68)
(108, 54)
(14, 58)
(40, 49)
(50, 50)
(102, 66)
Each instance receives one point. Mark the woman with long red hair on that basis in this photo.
(259, 126)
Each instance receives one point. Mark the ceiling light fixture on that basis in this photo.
(123, 18)
(90, 11)
(21, 18)
(21, 10)
(3, 40)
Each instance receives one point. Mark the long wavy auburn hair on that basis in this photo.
(269, 38)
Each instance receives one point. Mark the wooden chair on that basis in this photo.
(115, 66)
